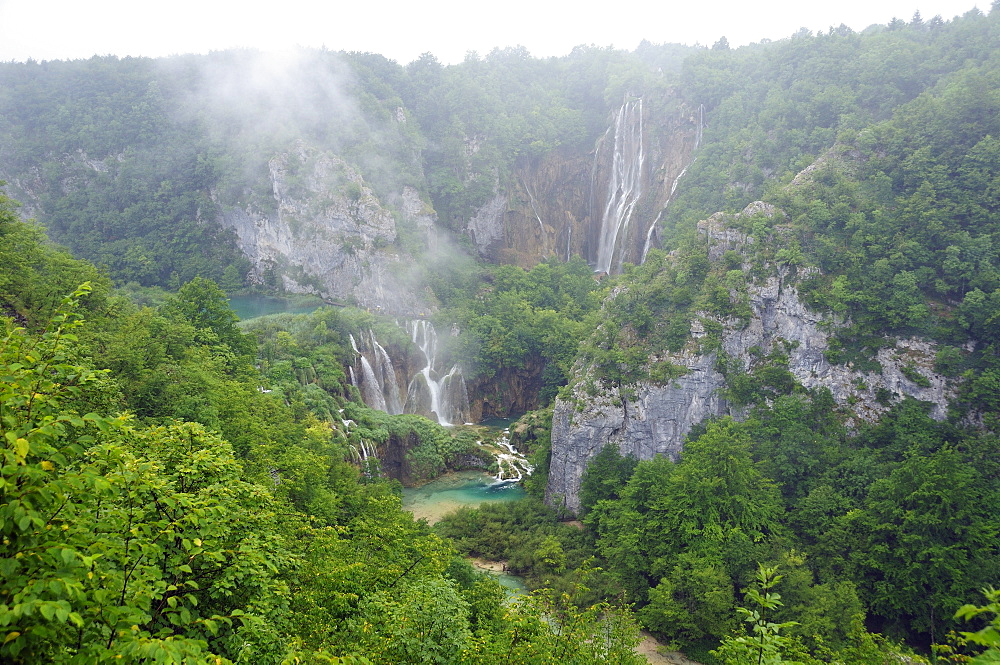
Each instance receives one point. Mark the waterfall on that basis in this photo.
(367, 458)
(538, 218)
(670, 197)
(625, 186)
(431, 392)
(511, 465)
(378, 384)
(386, 375)
(371, 389)
(443, 396)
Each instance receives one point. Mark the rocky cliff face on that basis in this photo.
(556, 204)
(649, 420)
(326, 232)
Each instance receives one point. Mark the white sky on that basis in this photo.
(403, 29)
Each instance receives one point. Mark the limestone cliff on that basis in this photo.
(557, 204)
(326, 232)
(646, 419)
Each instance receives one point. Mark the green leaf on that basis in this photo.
(21, 450)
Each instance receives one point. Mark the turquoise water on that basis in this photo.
(455, 490)
(250, 307)
(464, 488)
(513, 583)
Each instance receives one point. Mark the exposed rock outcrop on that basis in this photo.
(328, 233)
(648, 420)
(555, 203)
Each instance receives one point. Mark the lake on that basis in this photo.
(452, 491)
(250, 307)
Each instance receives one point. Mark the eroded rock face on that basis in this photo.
(654, 419)
(554, 204)
(328, 233)
(653, 422)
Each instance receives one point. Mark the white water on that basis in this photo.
(512, 465)
(673, 185)
(431, 391)
(371, 389)
(625, 186)
(652, 227)
(387, 378)
(449, 398)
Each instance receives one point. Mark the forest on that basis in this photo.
(180, 486)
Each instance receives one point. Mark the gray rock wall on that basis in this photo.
(328, 233)
(656, 419)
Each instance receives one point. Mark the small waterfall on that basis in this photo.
(625, 186)
(386, 375)
(538, 218)
(366, 458)
(371, 389)
(652, 227)
(443, 396)
(512, 466)
(378, 384)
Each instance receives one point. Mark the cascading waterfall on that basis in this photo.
(378, 384)
(432, 391)
(652, 227)
(371, 389)
(512, 466)
(445, 396)
(625, 186)
(386, 374)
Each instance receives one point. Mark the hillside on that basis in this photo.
(746, 299)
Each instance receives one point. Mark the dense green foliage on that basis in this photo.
(529, 322)
(219, 522)
(175, 485)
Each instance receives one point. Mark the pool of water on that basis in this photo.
(456, 490)
(250, 307)
(512, 583)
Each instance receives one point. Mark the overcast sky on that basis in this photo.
(402, 30)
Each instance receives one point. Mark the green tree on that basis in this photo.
(203, 304)
(763, 643)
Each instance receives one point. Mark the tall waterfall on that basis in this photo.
(625, 186)
(441, 394)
